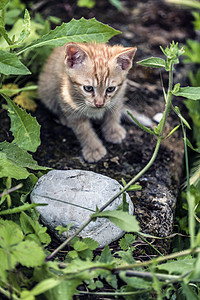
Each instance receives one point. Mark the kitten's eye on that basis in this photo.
(88, 88)
(110, 89)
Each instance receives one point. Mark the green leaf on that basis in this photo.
(192, 93)
(126, 241)
(106, 256)
(80, 246)
(75, 31)
(19, 156)
(22, 253)
(140, 124)
(8, 261)
(116, 3)
(127, 255)
(11, 65)
(10, 234)
(181, 266)
(92, 244)
(3, 3)
(62, 229)
(172, 131)
(86, 3)
(33, 228)
(64, 291)
(177, 111)
(26, 28)
(189, 144)
(4, 33)
(24, 127)
(135, 282)
(122, 219)
(189, 292)
(41, 287)
(153, 62)
(10, 169)
(176, 88)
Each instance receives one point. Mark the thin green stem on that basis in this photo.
(7, 294)
(159, 259)
(116, 293)
(186, 157)
(135, 178)
(190, 198)
(146, 241)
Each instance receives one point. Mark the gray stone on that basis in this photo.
(66, 190)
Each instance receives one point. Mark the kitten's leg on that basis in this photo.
(92, 147)
(111, 128)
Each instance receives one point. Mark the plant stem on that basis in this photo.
(116, 293)
(134, 179)
(159, 259)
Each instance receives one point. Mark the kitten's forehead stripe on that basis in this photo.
(100, 56)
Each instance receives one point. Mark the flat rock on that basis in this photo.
(72, 196)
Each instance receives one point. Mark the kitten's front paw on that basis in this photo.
(115, 134)
(93, 154)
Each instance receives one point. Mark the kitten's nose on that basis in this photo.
(99, 102)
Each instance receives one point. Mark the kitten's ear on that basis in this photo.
(74, 55)
(124, 59)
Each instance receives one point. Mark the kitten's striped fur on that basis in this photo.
(87, 81)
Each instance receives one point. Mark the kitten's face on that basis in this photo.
(97, 73)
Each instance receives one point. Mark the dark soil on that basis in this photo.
(147, 25)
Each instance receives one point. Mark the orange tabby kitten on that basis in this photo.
(87, 81)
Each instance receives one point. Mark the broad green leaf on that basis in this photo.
(135, 282)
(122, 219)
(127, 255)
(153, 62)
(181, 266)
(42, 287)
(80, 246)
(10, 234)
(92, 244)
(189, 292)
(75, 31)
(8, 261)
(188, 92)
(33, 227)
(196, 272)
(106, 256)
(126, 241)
(24, 127)
(3, 3)
(10, 169)
(11, 65)
(63, 291)
(19, 156)
(22, 253)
